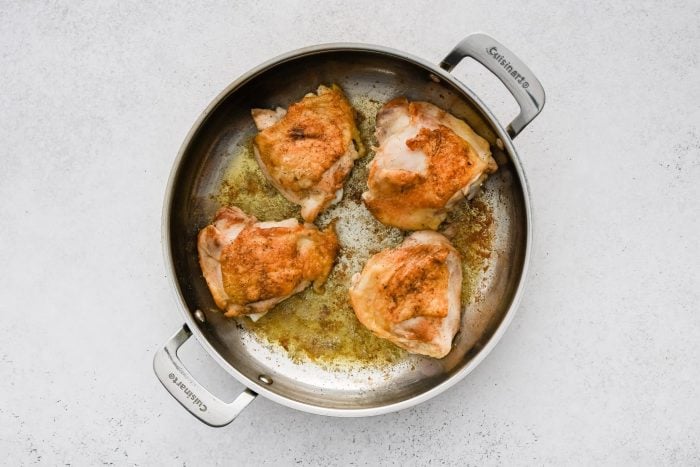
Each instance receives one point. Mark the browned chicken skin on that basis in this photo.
(426, 162)
(308, 150)
(251, 266)
(410, 295)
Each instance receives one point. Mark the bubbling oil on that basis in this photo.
(322, 327)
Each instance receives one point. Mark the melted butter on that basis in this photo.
(322, 327)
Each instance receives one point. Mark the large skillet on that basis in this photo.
(381, 74)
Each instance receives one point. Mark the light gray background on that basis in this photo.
(602, 361)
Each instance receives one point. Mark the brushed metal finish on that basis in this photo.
(188, 392)
(513, 73)
(381, 74)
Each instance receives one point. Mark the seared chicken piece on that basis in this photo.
(427, 161)
(308, 150)
(410, 295)
(251, 266)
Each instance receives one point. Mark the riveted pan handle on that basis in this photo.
(517, 77)
(188, 392)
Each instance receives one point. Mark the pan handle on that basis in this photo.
(513, 73)
(188, 392)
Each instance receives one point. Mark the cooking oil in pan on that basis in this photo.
(322, 327)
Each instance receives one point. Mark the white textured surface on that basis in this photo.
(602, 362)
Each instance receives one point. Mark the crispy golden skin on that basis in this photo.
(427, 161)
(308, 151)
(410, 295)
(251, 266)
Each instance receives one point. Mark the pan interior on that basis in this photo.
(362, 74)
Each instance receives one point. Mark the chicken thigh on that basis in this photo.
(308, 150)
(251, 266)
(410, 295)
(426, 162)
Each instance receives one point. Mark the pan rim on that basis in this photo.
(194, 326)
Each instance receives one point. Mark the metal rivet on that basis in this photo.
(434, 78)
(265, 379)
(200, 316)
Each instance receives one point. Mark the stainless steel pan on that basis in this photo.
(381, 74)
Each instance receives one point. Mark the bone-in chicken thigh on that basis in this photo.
(410, 295)
(426, 162)
(251, 266)
(308, 150)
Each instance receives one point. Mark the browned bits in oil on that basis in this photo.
(471, 227)
(244, 185)
(322, 327)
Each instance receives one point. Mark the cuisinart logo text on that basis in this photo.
(493, 51)
(192, 396)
